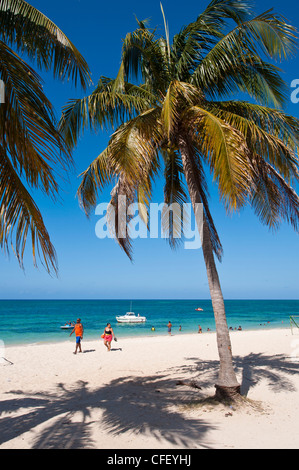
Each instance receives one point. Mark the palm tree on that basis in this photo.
(30, 144)
(170, 107)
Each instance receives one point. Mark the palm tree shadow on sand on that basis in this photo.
(139, 406)
(277, 370)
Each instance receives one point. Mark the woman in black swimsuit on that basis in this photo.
(108, 336)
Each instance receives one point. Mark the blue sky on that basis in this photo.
(256, 263)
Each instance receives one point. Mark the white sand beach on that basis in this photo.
(128, 398)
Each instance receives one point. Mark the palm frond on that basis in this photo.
(193, 166)
(29, 133)
(226, 152)
(219, 10)
(145, 56)
(170, 114)
(32, 150)
(175, 196)
(133, 146)
(273, 121)
(132, 157)
(94, 179)
(273, 199)
(196, 39)
(234, 63)
(166, 28)
(106, 107)
(20, 217)
(179, 96)
(268, 132)
(259, 79)
(122, 196)
(273, 35)
(24, 27)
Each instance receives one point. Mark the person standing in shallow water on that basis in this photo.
(169, 326)
(78, 329)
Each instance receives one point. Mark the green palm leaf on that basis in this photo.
(234, 62)
(271, 134)
(226, 151)
(122, 196)
(141, 53)
(94, 179)
(175, 196)
(106, 107)
(30, 138)
(31, 32)
(19, 216)
(33, 152)
(273, 199)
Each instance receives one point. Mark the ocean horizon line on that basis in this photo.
(148, 299)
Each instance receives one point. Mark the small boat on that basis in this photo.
(130, 317)
(67, 327)
(199, 309)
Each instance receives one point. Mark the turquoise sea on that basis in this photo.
(36, 321)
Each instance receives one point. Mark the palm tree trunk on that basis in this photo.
(227, 385)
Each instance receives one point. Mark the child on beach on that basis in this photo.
(78, 329)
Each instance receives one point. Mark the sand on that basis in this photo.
(129, 398)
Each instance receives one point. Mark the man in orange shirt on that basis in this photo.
(78, 329)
